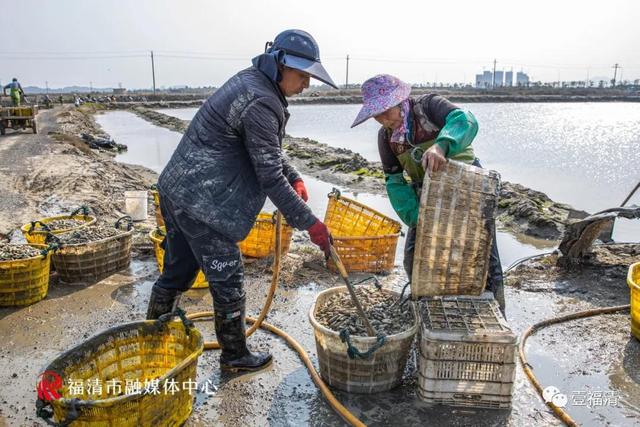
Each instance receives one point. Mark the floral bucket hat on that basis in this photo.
(380, 93)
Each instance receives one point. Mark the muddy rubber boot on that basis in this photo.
(161, 302)
(230, 330)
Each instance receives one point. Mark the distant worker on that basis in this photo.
(228, 162)
(417, 135)
(16, 92)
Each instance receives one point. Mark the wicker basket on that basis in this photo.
(38, 237)
(24, 281)
(455, 231)
(157, 236)
(93, 261)
(138, 351)
(633, 280)
(261, 240)
(380, 372)
(365, 239)
(467, 353)
(156, 203)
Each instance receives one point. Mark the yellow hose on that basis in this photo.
(259, 323)
(559, 412)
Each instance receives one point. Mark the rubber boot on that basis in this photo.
(162, 301)
(230, 330)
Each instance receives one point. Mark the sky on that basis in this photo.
(106, 43)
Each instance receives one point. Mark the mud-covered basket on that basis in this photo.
(156, 203)
(157, 237)
(382, 367)
(24, 281)
(36, 231)
(365, 239)
(110, 379)
(633, 280)
(455, 231)
(261, 240)
(93, 261)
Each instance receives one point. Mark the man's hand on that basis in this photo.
(433, 160)
(300, 189)
(319, 234)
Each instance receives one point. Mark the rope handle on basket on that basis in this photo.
(188, 324)
(353, 352)
(126, 218)
(42, 225)
(161, 232)
(84, 209)
(334, 193)
(53, 246)
(44, 411)
(154, 187)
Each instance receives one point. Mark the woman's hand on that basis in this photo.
(433, 159)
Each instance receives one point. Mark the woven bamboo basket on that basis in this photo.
(365, 239)
(36, 232)
(261, 240)
(157, 236)
(93, 261)
(156, 203)
(24, 281)
(136, 354)
(633, 280)
(467, 353)
(455, 231)
(382, 371)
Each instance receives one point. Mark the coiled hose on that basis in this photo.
(260, 323)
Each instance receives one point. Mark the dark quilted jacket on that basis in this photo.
(230, 159)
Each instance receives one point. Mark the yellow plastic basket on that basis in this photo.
(157, 236)
(35, 236)
(137, 354)
(156, 202)
(633, 280)
(24, 281)
(365, 239)
(261, 240)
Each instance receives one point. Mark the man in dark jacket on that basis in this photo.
(226, 165)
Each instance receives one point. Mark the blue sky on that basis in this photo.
(200, 43)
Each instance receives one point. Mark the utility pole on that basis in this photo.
(493, 83)
(615, 74)
(90, 87)
(46, 83)
(346, 80)
(153, 73)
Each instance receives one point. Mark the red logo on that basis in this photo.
(49, 385)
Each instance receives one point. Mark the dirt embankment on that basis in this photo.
(520, 209)
(54, 172)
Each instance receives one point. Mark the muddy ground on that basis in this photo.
(588, 355)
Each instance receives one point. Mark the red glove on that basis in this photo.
(300, 189)
(319, 234)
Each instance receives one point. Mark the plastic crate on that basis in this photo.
(467, 353)
(261, 240)
(364, 238)
(633, 280)
(455, 231)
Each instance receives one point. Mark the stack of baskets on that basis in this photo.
(157, 236)
(124, 372)
(467, 351)
(365, 239)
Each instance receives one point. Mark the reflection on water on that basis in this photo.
(582, 154)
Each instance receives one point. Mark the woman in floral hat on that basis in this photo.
(418, 135)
